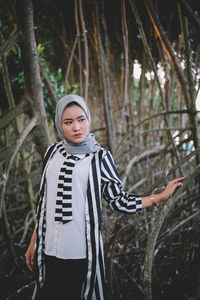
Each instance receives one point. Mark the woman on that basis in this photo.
(67, 238)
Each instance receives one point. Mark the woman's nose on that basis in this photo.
(76, 126)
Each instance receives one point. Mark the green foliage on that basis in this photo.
(16, 77)
(46, 50)
(40, 49)
(57, 82)
(19, 79)
(73, 89)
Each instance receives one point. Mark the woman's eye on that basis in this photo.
(82, 120)
(68, 122)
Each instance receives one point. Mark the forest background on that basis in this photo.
(137, 64)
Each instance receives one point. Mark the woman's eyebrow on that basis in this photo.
(70, 119)
(66, 119)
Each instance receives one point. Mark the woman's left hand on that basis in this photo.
(171, 186)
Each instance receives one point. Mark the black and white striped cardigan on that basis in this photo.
(103, 181)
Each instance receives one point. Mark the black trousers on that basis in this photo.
(63, 279)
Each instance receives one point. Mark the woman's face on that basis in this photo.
(75, 124)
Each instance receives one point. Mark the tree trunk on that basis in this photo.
(84, 31)
(79, 49)
(125, 107)
(106, 90)
(32, 80)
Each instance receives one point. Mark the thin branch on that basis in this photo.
(10, 43)
(171, 171)
(70, 62)
(169, 50)
(47, 84)
(129, 276)
(189, 12)
(181, 111)
(5, 176)
(171, 230)
(136, 159)
(18, 144)
(166, 129)
(79, 49)
(28, 221)
(84, 31)
(146, 46)
(14, 112)
(188, 66)
(150, 57)
(125, 40)
(13, 296)
(7, 83)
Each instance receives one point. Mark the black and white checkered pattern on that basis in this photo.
(63, 211)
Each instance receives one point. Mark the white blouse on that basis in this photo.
(66, 241)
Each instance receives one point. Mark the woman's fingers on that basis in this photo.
(172, 185)
(177, 180)
(29, 260)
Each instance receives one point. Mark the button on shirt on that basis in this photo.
(67, 241)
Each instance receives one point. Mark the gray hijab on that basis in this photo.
(89, 145)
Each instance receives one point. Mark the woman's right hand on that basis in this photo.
(30, 255)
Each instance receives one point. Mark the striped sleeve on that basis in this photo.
(112, 190)
(41, 191)
(47, 154)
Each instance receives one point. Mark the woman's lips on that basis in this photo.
(78, 135)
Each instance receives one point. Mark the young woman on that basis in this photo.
(67, 242)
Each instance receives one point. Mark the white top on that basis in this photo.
(66, 241)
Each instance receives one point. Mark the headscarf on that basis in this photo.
(89, 144)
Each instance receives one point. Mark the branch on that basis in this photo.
(189, 12)
(188, 68)
(7, 82)
(84, 31)
(166, 129)
(47, 84)
(129, 276)
(136, 159)
(79, 49)
(171, 171)
(5, 176)
(169, 50)
(171, 230)
(181, 111)
(146, 46)
(17, 146)
(21, 289)
(20, 141)
(10, 43)
(70, 62)
(14, 112)
(161, 215)
(126, 55)
(28, 221)
(32, 79)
